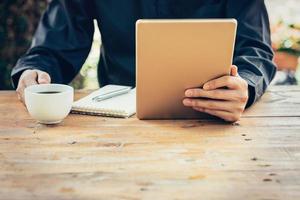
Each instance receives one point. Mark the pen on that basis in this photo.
(111, 94)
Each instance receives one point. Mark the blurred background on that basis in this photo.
(19, 18)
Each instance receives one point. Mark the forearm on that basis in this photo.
(253, 51)
(258, 71)
(61, 43)
(40, 60)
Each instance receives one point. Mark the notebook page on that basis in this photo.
(119, 106)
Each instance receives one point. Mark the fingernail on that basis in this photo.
(189, 93)
(206, 87)
(186, 102)
(42, 80)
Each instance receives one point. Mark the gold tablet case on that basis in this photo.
(174, 55)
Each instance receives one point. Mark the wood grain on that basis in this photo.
(88, 157)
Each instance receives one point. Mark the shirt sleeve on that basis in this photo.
(253, 52)
(61, 43)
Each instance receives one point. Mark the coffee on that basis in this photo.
(49, 92)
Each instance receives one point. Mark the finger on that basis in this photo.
(219, 94)
(43, 77)
(224, 81)
(227, 116)
(234, 70)
(30, 79)
(20, 92)
(209, 104)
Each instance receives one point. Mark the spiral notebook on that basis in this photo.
(121, 106)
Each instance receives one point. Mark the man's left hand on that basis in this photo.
(225, 97)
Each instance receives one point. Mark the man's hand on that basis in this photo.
(31, 77)
(225, 97)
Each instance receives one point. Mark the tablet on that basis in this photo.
(175, 55)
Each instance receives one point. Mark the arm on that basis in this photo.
(253, 51)
(253, 57)
(61, 43)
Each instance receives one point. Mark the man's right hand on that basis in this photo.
(31, 77)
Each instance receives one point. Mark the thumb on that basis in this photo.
(43, 77)
(234, 70)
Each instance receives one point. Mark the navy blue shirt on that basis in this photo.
(65, 33)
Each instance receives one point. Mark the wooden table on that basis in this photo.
(89, 157)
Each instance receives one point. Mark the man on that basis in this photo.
(65, 33)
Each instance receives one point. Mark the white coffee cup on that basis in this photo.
(49, 103)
